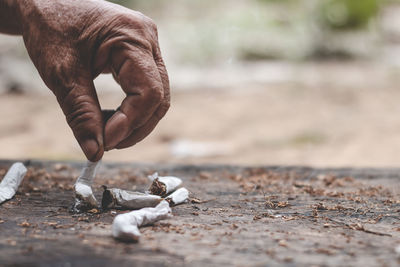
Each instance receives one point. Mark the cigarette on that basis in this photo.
(125, 227)
(84, 197)
(11, 181)
(125, 199)
(178, 197)
(162, 186)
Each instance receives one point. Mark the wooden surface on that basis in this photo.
(268, 216)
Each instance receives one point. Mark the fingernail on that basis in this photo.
(91, 149)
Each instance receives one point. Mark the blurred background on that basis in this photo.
(291, 82)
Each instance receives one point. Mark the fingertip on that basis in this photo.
(98, 156)
(92, 150)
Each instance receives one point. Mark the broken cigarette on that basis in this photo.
(11, 181)
(180, 196)
(84, 197)
(162, 186)
(116, 197)
(125, 227)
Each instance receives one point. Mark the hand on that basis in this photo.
(73, 41)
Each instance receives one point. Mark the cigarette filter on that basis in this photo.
(11, 181)
(84, 197)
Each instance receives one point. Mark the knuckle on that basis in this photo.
(57, 76)
(148, 22)
(155, 94)
(142, 29)
(152, 25)
(143, 20)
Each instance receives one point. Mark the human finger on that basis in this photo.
(140, 133)
(138, 75)
(81, 108)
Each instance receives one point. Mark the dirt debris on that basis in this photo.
(158, 188)
(25, 224)
(292, 217)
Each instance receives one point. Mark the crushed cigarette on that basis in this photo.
(84, 197)
(163, 186)
(178, 197)
(11, 181)
(116, 197)
(125, 227)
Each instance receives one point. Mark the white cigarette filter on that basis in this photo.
(125, 227)
(11, 181)
(180, 196)
(116, 197)
(163, 185)
(84, 197)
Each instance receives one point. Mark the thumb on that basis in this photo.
(82, 110)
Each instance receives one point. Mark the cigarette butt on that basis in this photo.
(178, 197)
(163, 185)
(125, 227)
(118, 198)
(11, 181)
(84, 197)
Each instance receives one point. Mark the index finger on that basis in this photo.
(138, 75)
(140, 133)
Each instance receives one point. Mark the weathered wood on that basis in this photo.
(290, 216)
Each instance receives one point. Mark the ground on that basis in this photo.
(237, 216)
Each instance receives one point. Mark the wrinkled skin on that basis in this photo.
(73, 41)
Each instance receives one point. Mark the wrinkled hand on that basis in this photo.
(73, 41)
